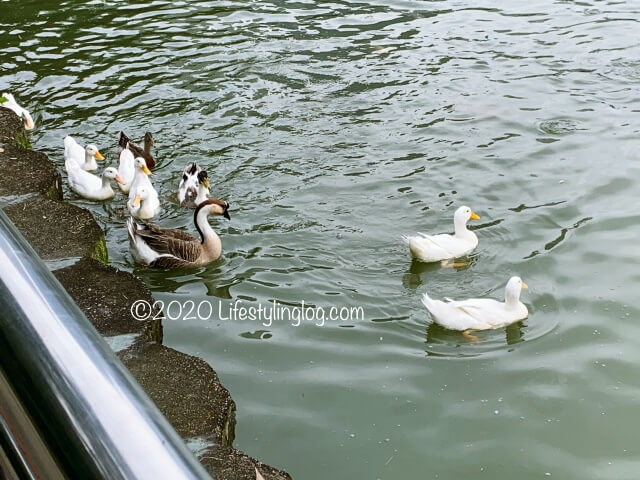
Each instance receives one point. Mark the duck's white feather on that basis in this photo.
(479, 313)
(435, 248)
(23, 113)
(126, 169)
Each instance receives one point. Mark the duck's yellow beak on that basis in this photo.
(136, 201)
(475, 216)
(28, 124)
(98, 156)
(206, 183)
(146, 170)
(119, 179)
(524, 286)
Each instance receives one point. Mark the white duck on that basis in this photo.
(188, 188)
(435, 248)
(141, 179)
(88, 185)
(23, 113)
(84, 157)
(141, 206)
(168, 248)
(479, 313)
(126, 169)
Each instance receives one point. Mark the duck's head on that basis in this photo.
(93, 151)
(203, 179)
(142, 165)
(142, 193)
(148, 138)
(112, 174)
(512, 291)
(214, 206)
(464, 214)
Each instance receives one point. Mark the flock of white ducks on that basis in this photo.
(161, 247)
(151, 245)
(474, 313)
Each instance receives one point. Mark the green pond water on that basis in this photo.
(334, 128)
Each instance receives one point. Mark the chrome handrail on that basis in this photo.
(68, 407)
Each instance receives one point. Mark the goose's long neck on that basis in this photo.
(210, 240)
(90, 161)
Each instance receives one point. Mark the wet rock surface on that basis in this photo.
(230, 464)
(22, 171)
(58, 230)
(87, 281)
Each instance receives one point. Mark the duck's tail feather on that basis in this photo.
(427, 301)
(132, 227)
(123, 140)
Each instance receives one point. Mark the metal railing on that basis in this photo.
(68, 407)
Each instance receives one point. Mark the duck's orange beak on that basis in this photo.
(475, 216)
(136, 201)
(119, 179)
(146, 170)
(98, 156)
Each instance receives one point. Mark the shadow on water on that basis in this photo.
(414, 276)
(442, 342)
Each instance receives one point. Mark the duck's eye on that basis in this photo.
(184, 177)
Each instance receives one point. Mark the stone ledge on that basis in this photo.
(42, 222)
(88, 282)
(185, 389)
(36, 173)
(230, 464)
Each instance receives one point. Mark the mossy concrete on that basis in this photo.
(105, 295)
(23, 171)
(58, 230)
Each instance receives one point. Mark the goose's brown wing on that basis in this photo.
(168, 241)
(169, 262)
(170, 232)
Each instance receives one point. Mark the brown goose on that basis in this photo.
(168, 247)
(125, 142)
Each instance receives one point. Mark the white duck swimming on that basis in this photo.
(167, 247)
(141, 206)
(188, 188)
(435, 248)
(23, 113)
(88, 185)
(141, 179)
(84, 157)
(479, 313)
(126, 169)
